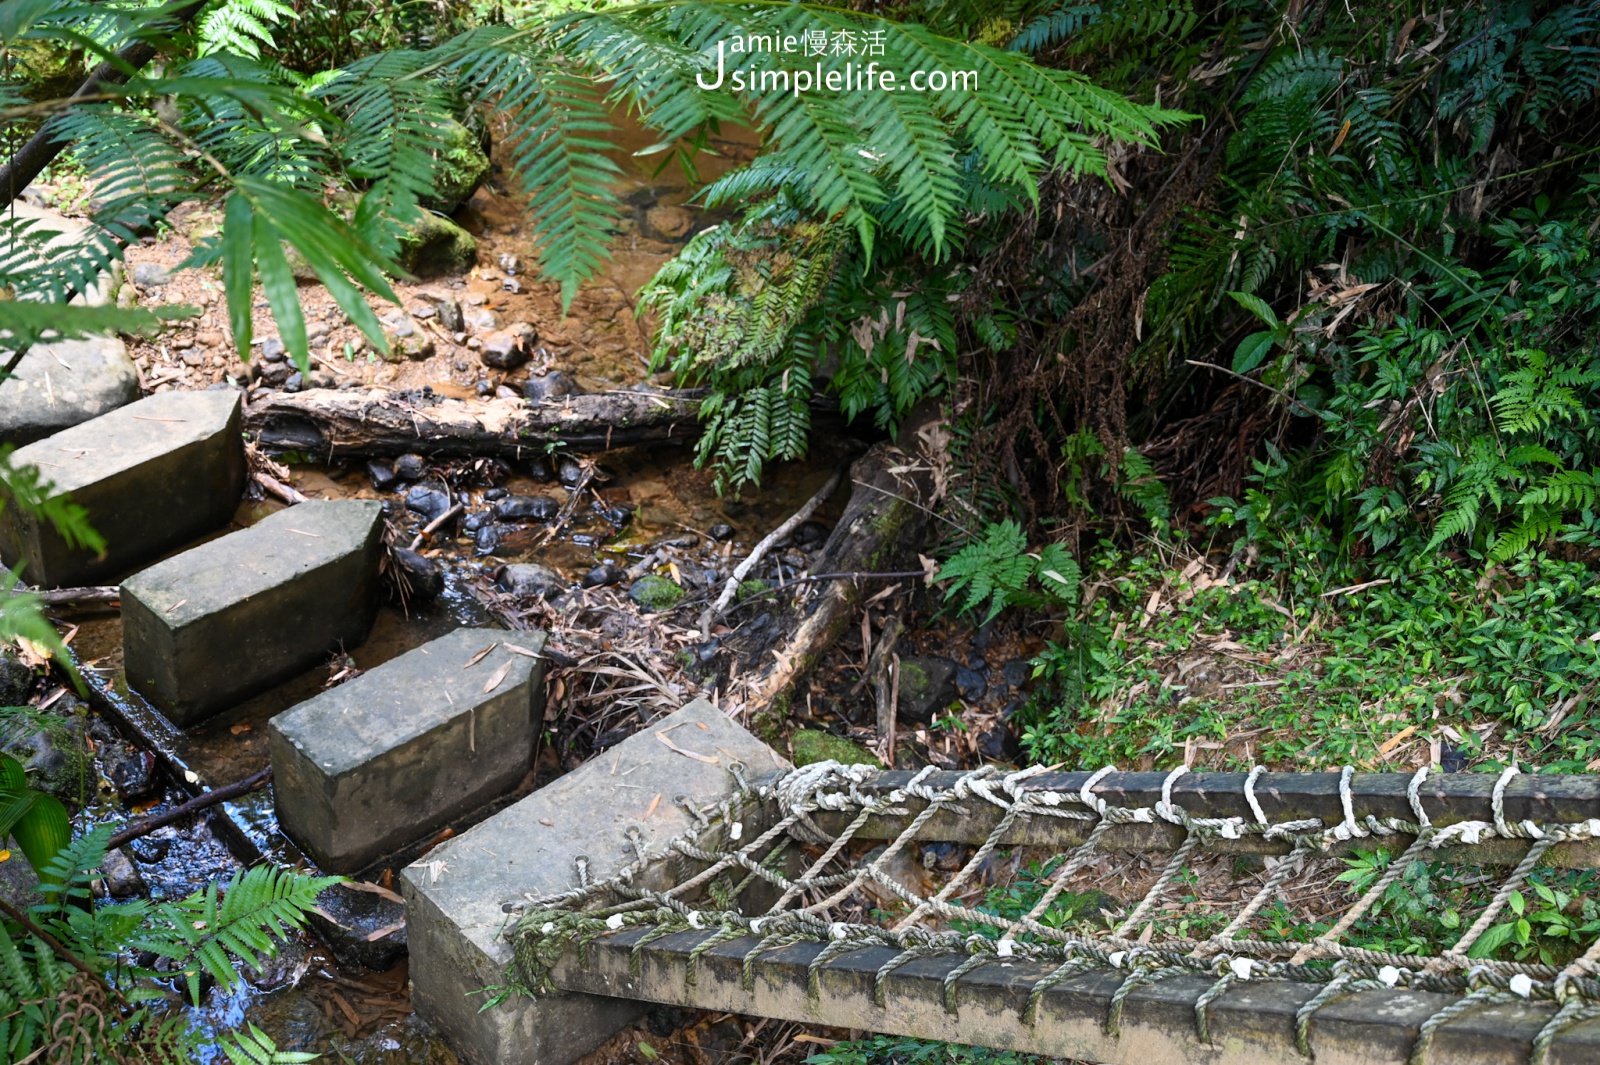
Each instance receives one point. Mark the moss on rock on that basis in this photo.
(654, 593)
(433, 245)
(463, 167)
(810, 745)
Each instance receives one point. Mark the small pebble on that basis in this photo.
(721, 532)
(295, 382)
(495, 493)
(382, 475)
(512, 285)
(602, 575)
(272, 349)
(410, 467)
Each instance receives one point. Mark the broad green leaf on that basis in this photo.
(1258, 307)
(277, 280)
(43, 831)
(237, 272)
(1253, 351)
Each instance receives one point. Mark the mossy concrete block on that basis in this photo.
(811, 746)
(153, 475)
(397, 753)
(455, 896)
(211, 627)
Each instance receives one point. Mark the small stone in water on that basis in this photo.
(150, 849)
(382, 475)
(134, 777)
(495, 493)
(530, 579)
(568, 471)
(527, 508)
(721, 531)
(410, 467)
(549, 386)
(429, 502)
(121, 876)
(476, 520)
(486, 539)
(423, 578)
(538, 469)
(602, 575)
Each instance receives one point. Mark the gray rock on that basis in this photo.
(971, 683)
(504, 350)
(272, 350)
(463, 167)
(449, 311)
(346, 916)
(16, 679)
(56, 757)
(568, 471)
(410, 467)
(482, 320)
(429, 502)
(530, 579)
(134, 776)
(487, 538)
(59, 385)
(149, 275)
(925, 688)
(121, 876)
(549, 386)
(382, 475)
(527, 508)
(721, 532)
(423, 576)
(602, 575)
(434, 245)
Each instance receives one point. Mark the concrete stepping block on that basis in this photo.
(63, 383)
(153, 475)
(207, 629)
(455, 895)
(394, 755)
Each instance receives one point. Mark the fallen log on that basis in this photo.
(883, 526)
(325, 422)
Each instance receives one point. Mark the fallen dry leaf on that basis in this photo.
(499, 675)
(475, 659)
(706, 758)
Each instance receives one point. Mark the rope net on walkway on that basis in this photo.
(831, 888)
